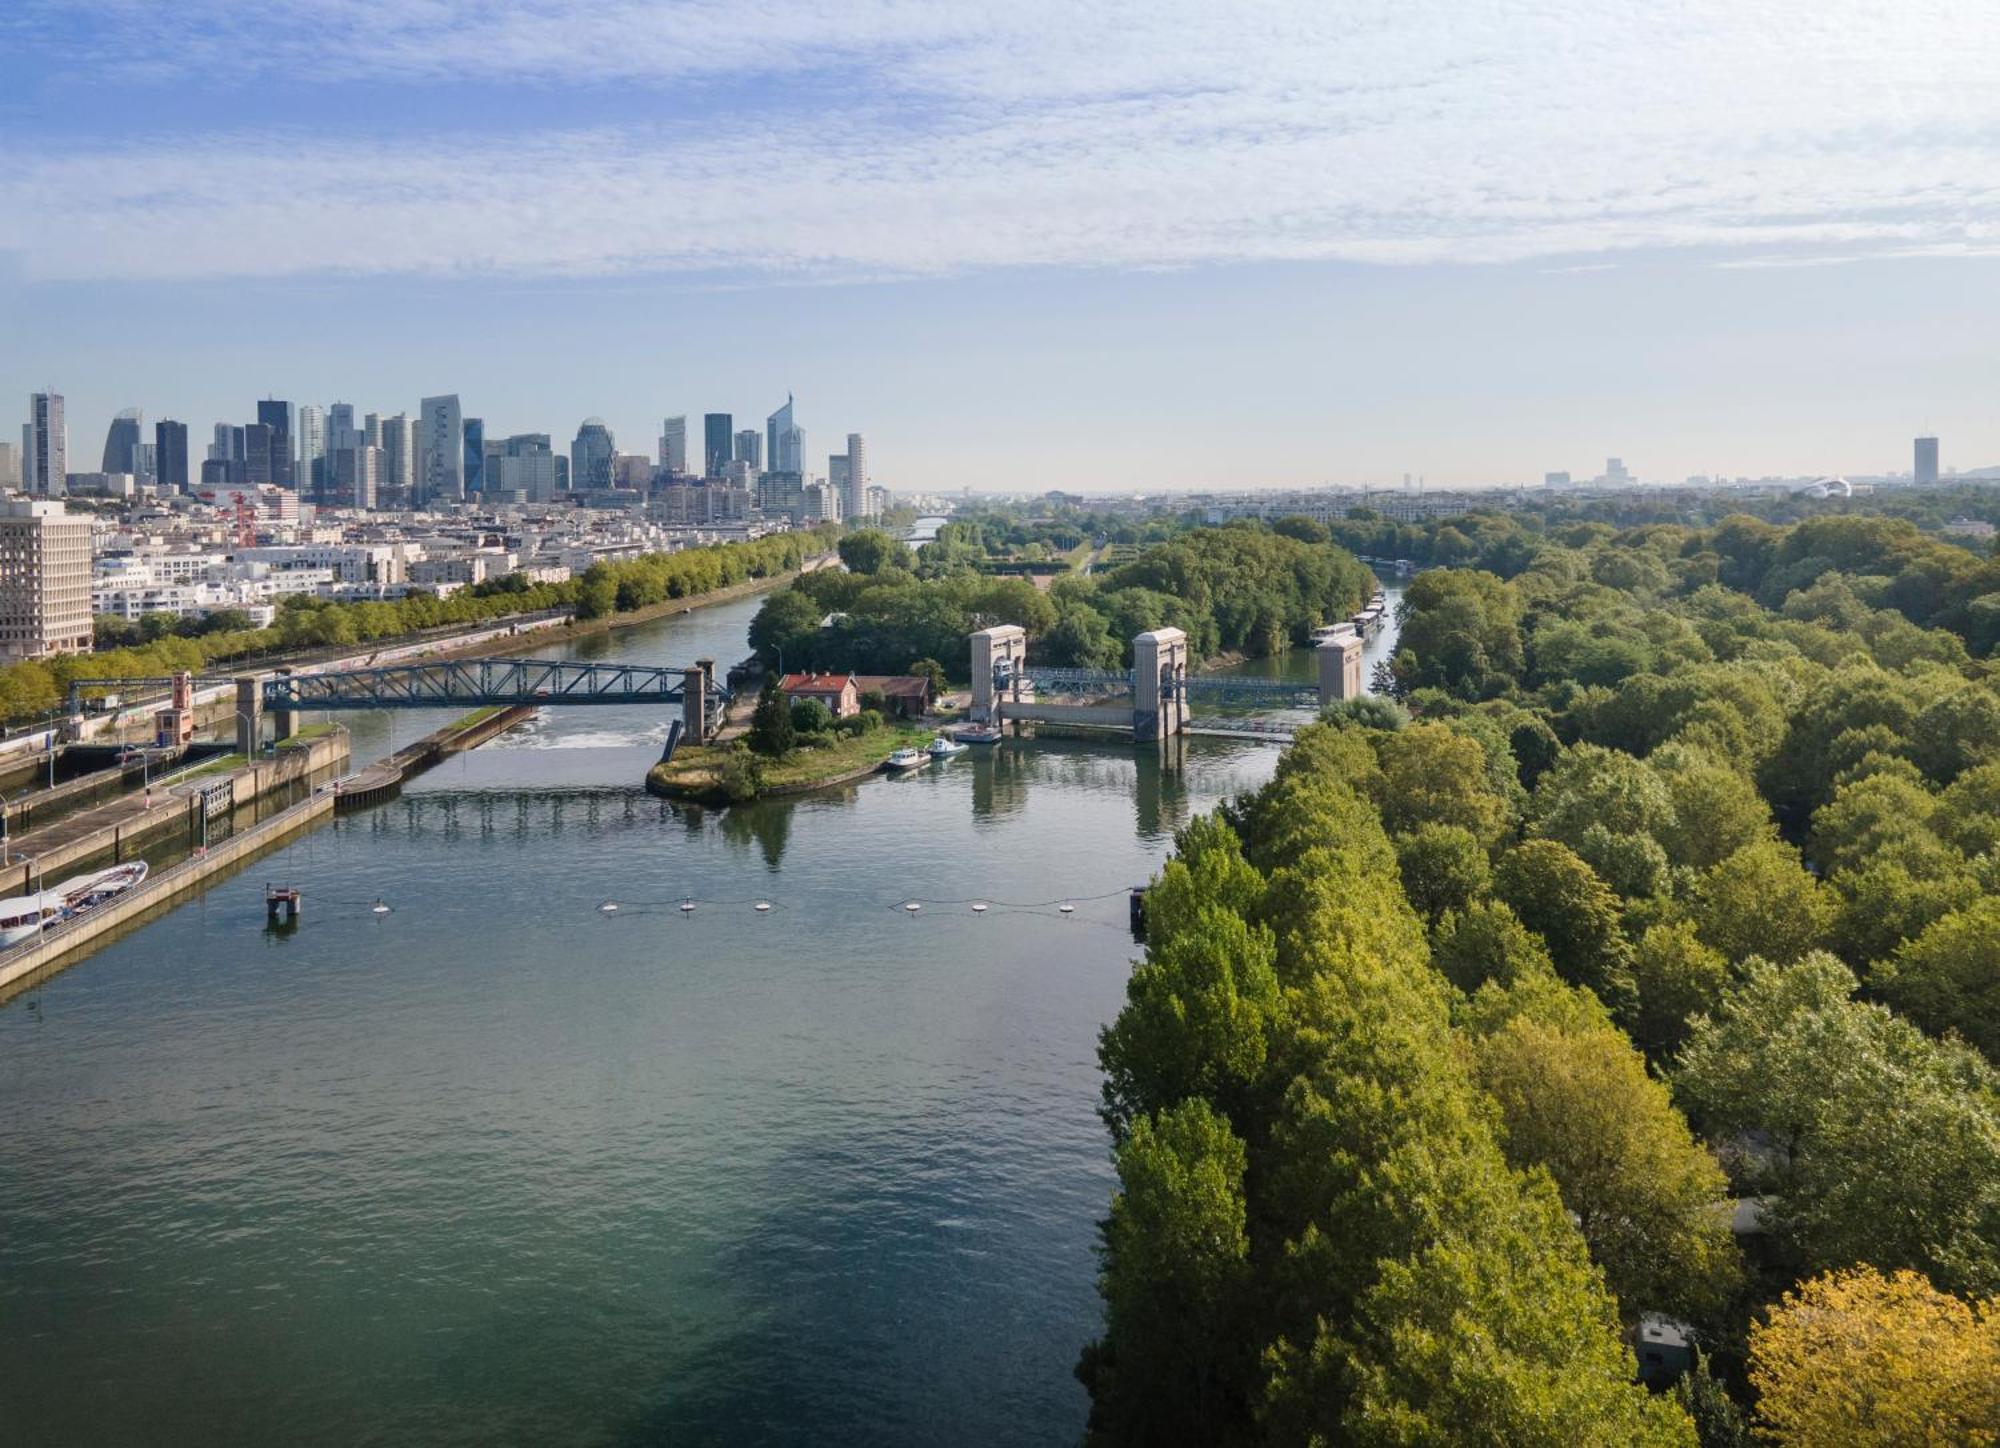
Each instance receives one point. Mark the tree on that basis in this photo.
(1677, 978)
(1718, 1422)
(1443, 868)
(1878, 1144)
(1761, 901)
(810, 716)
(1948, 978)
(1434, 774)
(1855, 1356)
(1575, 1097)
(770, 731)
(1306, 530)
(1716, 809)
(932, 672)
(1486, 941)
(868, 551)
(1560, 898)
(1171, 1362)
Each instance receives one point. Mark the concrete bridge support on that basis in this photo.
(1339, 657)
(694, 701)
(998, 656)
(249, 714)
(1159, 684)
(284, 722)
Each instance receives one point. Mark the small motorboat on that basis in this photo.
(905, 759)
(977, 734)
(943, 748)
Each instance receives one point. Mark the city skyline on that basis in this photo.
(1112, 250)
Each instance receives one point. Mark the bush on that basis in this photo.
(871, 720)
(810, 716)
(742, 775)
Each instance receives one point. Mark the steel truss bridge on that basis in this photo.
(1206, 688)
(472, 683)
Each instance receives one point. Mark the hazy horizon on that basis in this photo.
(1119, 248)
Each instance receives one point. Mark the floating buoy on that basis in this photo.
(979, 909)
(761, 906)
(1067, 909)
(687, 907)
(379, 908)
(913, 907)
(609, 907)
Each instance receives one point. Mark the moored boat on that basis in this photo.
(977, 734)
(943, 748)
(905, 759)
(26, 916)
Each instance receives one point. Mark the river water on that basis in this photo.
(496, 1166)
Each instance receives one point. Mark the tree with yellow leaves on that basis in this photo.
(1857, 1357)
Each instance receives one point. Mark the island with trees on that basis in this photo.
(1634, 963)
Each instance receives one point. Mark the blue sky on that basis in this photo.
(1148, 245)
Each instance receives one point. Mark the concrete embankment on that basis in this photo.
(381, 780)
(20, 966)
(118, 830)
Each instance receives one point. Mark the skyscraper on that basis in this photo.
(475, 455)
(45, 446)
(312, 448)
(277, 416)
(674, 445)
(836, 486)
(590, 455)
(399, 456)
(122, 439)
(785, 442)
(750, 448)
(10, 465)
(170, 454)
(1927, 460)
(854, 502)
(718, 443)
(441, 450)
(260, 452)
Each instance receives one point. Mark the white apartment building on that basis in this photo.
(44, 580)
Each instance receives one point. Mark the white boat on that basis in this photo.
(905, 759)
(26, 916)
(943, 748)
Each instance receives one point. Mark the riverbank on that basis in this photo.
(696, 775)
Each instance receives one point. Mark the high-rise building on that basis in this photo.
(312, 448)
(591, 454)
(399, 456)
(371, 429)
(45, 446)
(340, 425)
(524, 464)
(674, 445)
(718, 443)
(785, 441)
(475, 455)
(10, 465)
(353, 475)
(854, 502)
(170, 455)
(441, 452)
(277, 416)
(122, 439)
(145, 468)
(44, 579)
(260, 453)
(218, 450)
(750, 448)
(1927, 460)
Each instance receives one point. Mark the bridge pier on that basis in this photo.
(694, 701)
(1159, 684)
(1339, 659)
(284, 722)
(998, 656)
(249, 714)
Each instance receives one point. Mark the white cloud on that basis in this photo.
(888, 137)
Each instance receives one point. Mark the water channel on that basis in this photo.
(497, 1166)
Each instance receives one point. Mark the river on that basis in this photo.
(496, 1166)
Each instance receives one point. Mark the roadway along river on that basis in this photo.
(497, 1167)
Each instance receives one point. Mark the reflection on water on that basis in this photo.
(497, 1166)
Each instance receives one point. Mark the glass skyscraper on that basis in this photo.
(718, 443)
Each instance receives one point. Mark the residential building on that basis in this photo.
(45, 446)
(590, 455)
(44, 579)
(838, 692)
(854, 502)
(1926, 470)
(440, 452)
(718, 438)
(674, 445)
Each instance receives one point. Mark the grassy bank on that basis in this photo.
(696, 774)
